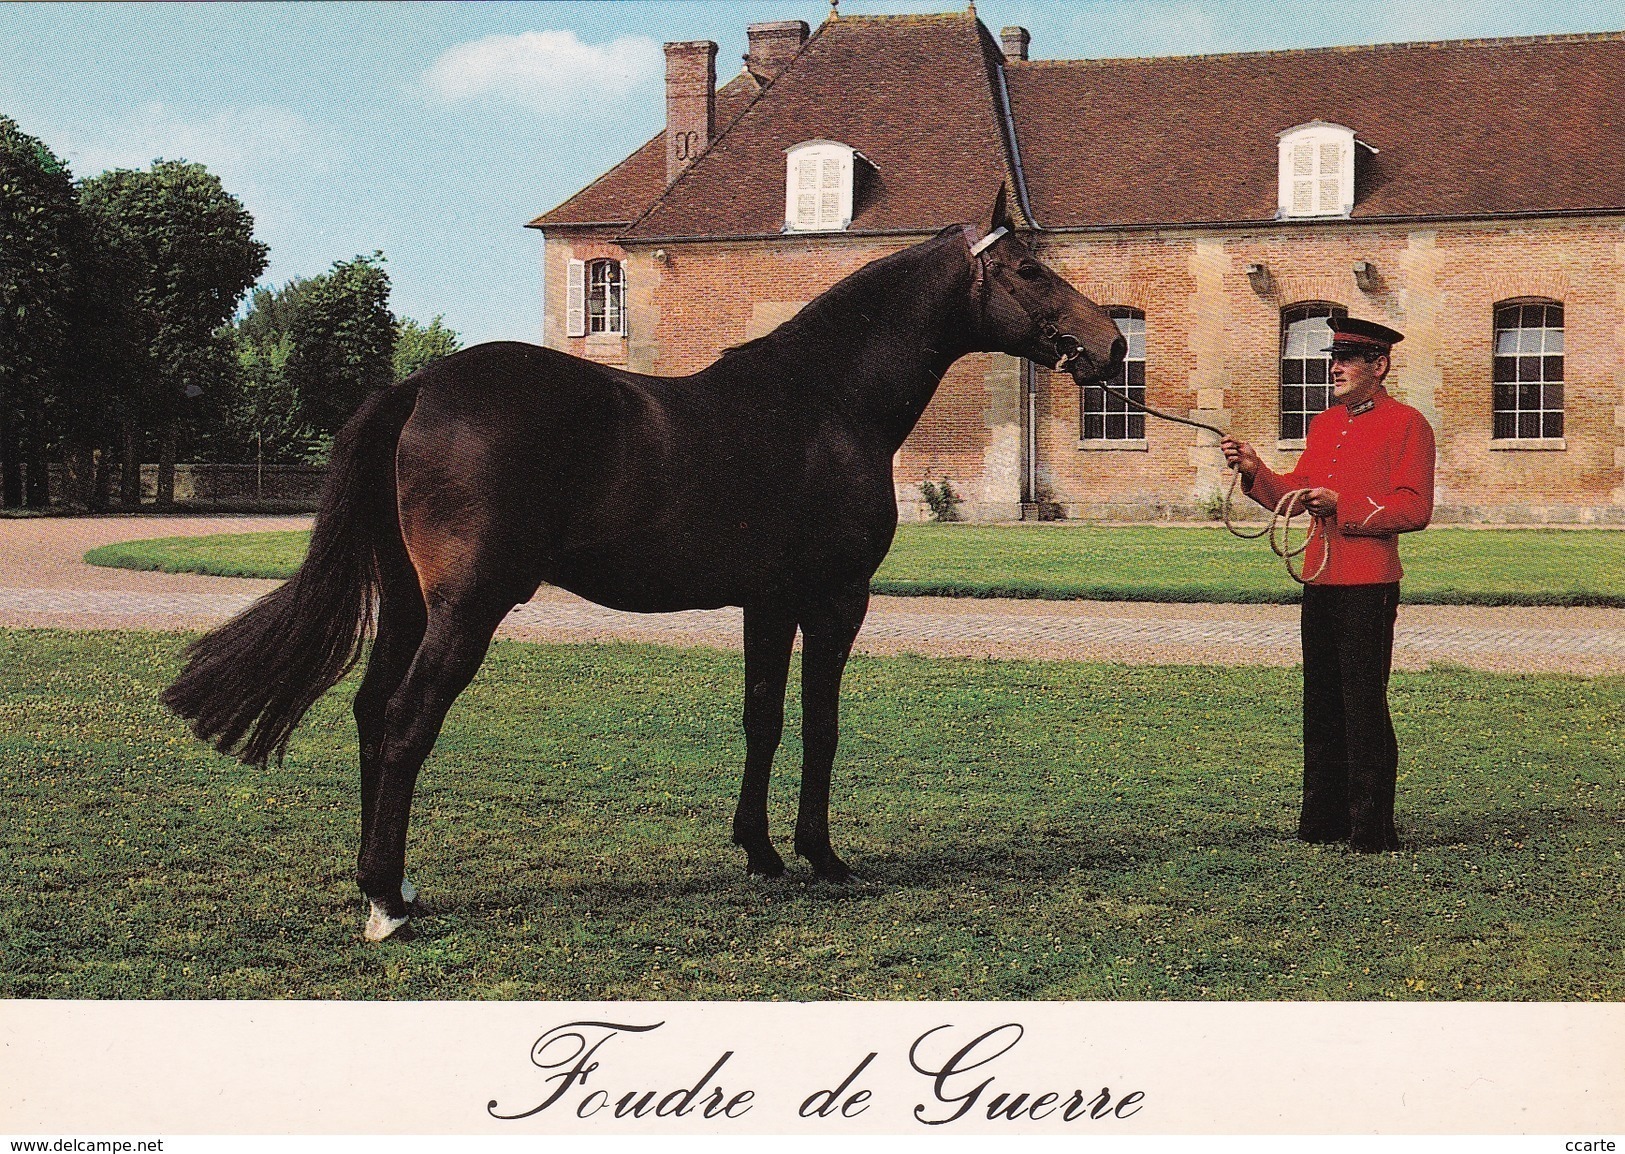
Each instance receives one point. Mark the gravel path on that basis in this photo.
(45, 584)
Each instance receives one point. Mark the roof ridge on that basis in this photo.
(1392, 46)
(1004, 122)
(761, 90)
(835, 26)
(902, 17)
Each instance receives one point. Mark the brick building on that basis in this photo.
(1469, 193)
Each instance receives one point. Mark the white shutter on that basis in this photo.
(619, 323)
(575, 299)
(1330, 179)
(829, 193)
(1303, 179)
(807, 192)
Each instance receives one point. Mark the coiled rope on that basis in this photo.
(1279, 528)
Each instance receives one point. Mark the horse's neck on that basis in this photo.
(878, 343)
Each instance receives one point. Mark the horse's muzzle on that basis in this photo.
(1076, 360)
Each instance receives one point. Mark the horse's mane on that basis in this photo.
(832, 312)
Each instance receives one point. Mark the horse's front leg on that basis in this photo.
(827, 634)
(769, 635)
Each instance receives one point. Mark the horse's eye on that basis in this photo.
(1029, 271)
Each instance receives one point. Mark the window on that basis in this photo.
(1306, 372)
(1528, 370)
(606, 297)
(595, 298)
(1316, 170)
(819, 186)
(1103, 417)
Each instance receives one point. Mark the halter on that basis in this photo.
(982, 245)
(1071, 348)
(1279, 528)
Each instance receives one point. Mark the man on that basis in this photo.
(1367, 464)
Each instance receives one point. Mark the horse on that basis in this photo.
(763, 481)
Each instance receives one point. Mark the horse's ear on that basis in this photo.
(1000, 217)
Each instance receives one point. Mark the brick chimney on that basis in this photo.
(772, 46)
(691, 102)
(1014, 41)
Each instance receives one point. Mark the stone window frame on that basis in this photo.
(1528, 401)
(606, 297)
(594, 305)
(1293, 410)
(1104, 422)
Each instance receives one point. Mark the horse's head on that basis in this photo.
(1023, 307)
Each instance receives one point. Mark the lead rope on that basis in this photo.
(1280, 525)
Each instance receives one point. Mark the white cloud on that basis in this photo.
(235, 143)
(543, 69)
(280, 165)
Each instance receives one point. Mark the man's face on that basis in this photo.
(1354, 378)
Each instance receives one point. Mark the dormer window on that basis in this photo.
(819, 184)
(1316, 171)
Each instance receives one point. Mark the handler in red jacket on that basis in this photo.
(1368, 466)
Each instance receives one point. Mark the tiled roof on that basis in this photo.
(916, 95)
(1462, 128)
(626, 191)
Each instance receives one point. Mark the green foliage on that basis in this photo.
(41, 237)
(308, 353)
(941, 499)
(189, 248)
(1445, 566)
(182, 253)
(343, 341)
(256, 416)
(417, 345)
(1022, 829)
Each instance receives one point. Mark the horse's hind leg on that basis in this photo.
(769, 635)
(454, 643)
(827, 634)
(401, 623)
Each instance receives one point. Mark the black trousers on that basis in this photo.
(1350, 756)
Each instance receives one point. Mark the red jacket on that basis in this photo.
(1380, 465)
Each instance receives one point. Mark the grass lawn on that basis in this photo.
(1024, 830)
(1443, 566)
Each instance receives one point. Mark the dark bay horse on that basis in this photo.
(764, 481)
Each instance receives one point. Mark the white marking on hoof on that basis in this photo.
(380, 925)
(409, 892)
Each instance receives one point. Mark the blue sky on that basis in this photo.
(434, 131)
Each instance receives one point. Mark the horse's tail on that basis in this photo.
(256, 676)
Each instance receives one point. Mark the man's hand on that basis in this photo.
(1320, 502)
(1239, 455)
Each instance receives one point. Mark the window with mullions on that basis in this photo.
(1104, 417)
(606, 297)
(1528, 370)
(1306, 372)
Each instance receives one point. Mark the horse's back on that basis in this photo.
(643, 493)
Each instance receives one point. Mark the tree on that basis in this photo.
(39, 236)
(417, 345)
(343, 342)
(254, 417)
(187, 247)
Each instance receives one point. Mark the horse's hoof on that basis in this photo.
(381, 924)
(765, 867)
(829, 868)
(409, 892)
